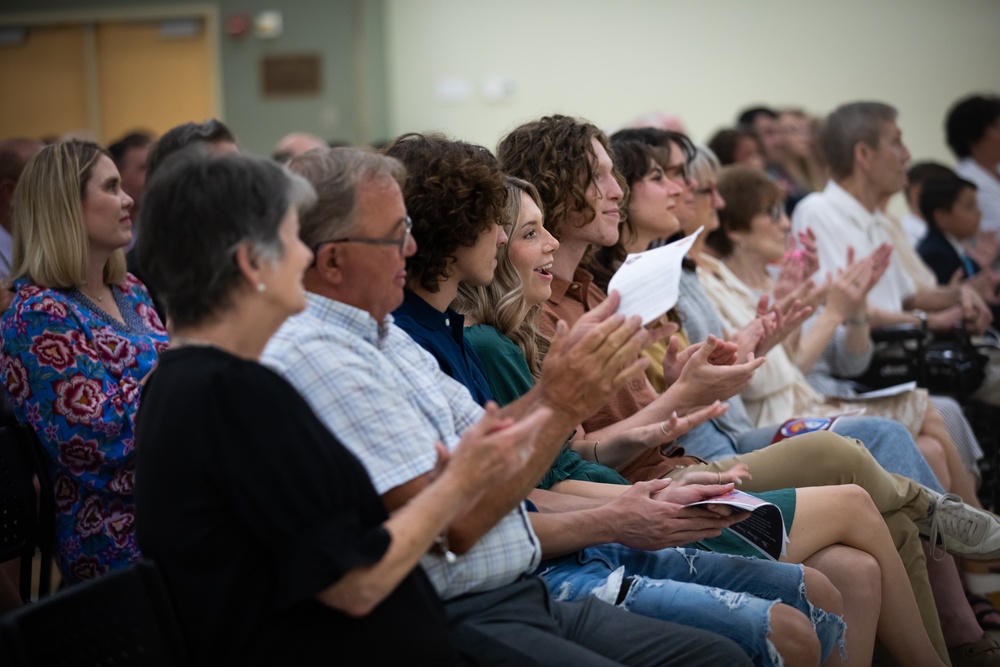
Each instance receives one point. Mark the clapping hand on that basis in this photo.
(493, 449)
(773, 324)
(848, 293)
(725, 353)
(703, 382)
(588, 363)
(984, 250)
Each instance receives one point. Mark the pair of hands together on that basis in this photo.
(585, 365)
(655, 514)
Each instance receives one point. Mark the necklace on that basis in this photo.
(98, 297)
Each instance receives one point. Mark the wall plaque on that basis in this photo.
(290, 75)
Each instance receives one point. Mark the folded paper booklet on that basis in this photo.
(800, 425)
(887, 391)
(649, 282)
(764, 529)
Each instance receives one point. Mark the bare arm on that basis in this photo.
(584, 367)
(621, 449)
(491, 450)
(635, 518)
(846, 303)
(934, 298)
(701, 383)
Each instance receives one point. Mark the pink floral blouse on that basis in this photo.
(72, 372)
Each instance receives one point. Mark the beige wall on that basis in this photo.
(702, 59)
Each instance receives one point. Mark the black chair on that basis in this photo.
(19, 503)
(46, 532)
(124, 619)
(897, 357)
(949, 364)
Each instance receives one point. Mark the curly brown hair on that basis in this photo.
(455, 190)
(555, 154)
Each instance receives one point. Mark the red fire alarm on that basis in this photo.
(237, 25)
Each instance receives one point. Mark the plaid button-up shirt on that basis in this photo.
(388, 401)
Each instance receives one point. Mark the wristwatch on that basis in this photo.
(922, 316)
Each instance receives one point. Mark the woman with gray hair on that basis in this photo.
(274, 543)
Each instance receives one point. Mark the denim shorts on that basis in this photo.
(729, 595)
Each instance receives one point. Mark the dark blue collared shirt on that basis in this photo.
(442, 334)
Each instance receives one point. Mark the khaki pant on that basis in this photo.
(823, 458)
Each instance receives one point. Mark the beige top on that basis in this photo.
(779, 391)
(906, 254)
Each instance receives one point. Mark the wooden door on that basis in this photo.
(151, 78)
(107, 77)
(43, 83)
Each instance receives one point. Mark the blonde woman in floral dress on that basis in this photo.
(78, 341)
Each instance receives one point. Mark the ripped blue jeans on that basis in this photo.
(728, 595)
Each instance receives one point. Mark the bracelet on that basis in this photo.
(858, 321)
(596, 443)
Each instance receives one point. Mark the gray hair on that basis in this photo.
(336, 175)
(201, 209)
(704, 163)
(848, 125)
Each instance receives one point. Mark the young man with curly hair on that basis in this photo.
(455, 196)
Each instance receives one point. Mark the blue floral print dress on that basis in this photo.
(72, 372)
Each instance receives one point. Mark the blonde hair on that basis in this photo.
(51, 246)
(501, 303)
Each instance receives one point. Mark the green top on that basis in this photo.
(509, 378)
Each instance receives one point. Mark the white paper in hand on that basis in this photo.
(649, 282)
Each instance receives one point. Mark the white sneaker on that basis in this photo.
(962, 530)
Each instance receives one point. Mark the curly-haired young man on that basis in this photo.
(455, 195)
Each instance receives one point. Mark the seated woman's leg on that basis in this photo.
(960, 430)
(846, 515)
(958, 621)
(856, 575)
(961, 481)
(933, 452)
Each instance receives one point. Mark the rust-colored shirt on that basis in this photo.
(569, 301)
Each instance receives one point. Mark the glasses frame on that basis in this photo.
(775, 212)
(401, 242)
(679, 171)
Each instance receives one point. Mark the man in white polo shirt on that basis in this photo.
(867, 159)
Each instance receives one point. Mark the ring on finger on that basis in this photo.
(663, 430)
